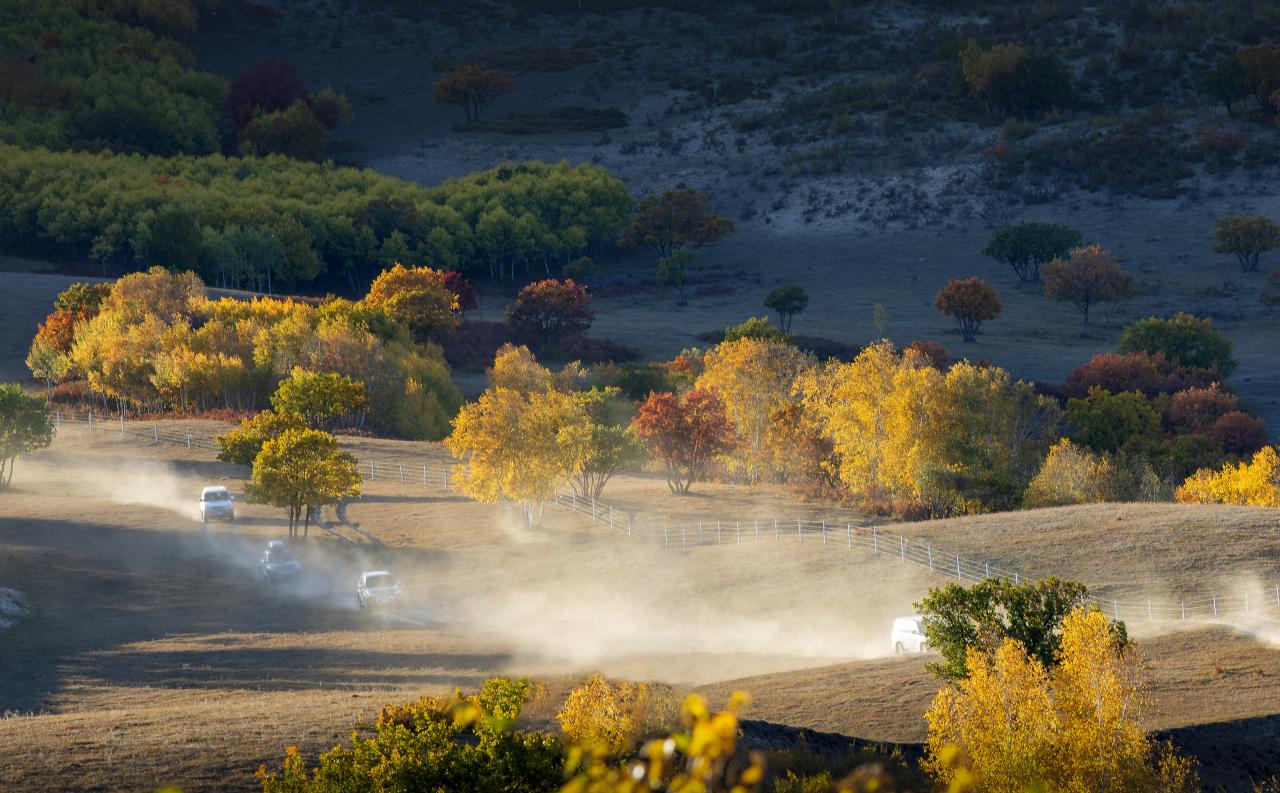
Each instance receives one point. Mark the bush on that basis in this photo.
(615, 716)
(1239, 433)
(756, 328)
(1009, 79)
(1254, 483)
(936, 353)
(293, 132)
(1194, 409)
(1185, 340)
(1134, 371)
(1073, 475)
(1108, 422)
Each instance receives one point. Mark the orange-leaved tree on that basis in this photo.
(1022, 729)
(685, 433)
(418, 297)
(472, 87)
(971, 301)
(549, 310)
(1087, 276)
(675, 218)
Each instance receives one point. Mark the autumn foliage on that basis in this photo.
(418, 297)
(1255, 483)
(676, 218)
(971, 301)
(685, 433)
(547, 311)
(1087, 276)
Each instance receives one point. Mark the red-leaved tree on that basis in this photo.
(461, 286)
(550, 310)
(971, 301)
(685, 433)
(1239, 433)
(269, 86)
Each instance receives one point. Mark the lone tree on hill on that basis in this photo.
(472, 87)
(971, 301)
(301, 470)
(685, 433)
(677, 217)
(24, 427)
(1088, 275)
(1246, 237)
(1027, 246)
(550, 310)
(788, 300)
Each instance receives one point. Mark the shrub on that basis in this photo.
(550, 310)
(1108, 422)
(971, 301)
(1239, 433)
(1073, 475)
(673, 270)
(1185, 340)
(293, 132)
(1255, 483)
(615, 716)
(1194, 409)
(1088, 275)
(936, 353)
(268, 86)
(1027, 246)
(1134, 371)
(756, 328)
(1009, 79)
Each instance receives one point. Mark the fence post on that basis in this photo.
(401, 471)
(155, 432)
(424, 475)
(1150, 616)
(446, 477)
(188, 437)
(1016, 577)
(57, 419)
(1184, 609)
(573, 500)
(902, 546)
(737, 532)
(373, 471)
(756, 524)
(1278, 594)
(666, 541)
(122, 421)
(930, 554)
(848, 529)
(700, 535)
(1246, 601)
(775, 539)
(959, 577)
(799, 530)
(717, 531)
(986, 569)
(629, 516)
(1115, 605)
(90, 419)
(611, 517)
(1215, 605)
(875, 540)
(824, 532)
(684, 541)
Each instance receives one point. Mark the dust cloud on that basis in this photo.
(597, 602)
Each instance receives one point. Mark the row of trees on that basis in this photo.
(274, 222)
(155, 341)
(900, 431)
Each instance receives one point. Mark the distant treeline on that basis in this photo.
(277, 222)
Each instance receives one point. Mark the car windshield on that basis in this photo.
(380, 581)
(278, 555)
(216, 495)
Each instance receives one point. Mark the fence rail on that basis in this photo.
(675, 536)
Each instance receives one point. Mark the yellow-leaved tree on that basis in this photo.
(876, 412)
(1255, 483)
(1021, 729)
(754, 378)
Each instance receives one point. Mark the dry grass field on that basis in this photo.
(152, 654)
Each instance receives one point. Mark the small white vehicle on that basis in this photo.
(278, 563)
(377, 588)
(215, 504)
(908, 636)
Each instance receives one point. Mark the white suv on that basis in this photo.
(215, 504)
(908, 635)
(377, 588)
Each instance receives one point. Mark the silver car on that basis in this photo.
(278, 563)
(216, 504)
(377, 588)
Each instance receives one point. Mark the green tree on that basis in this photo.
(242, 444)
(170, 238)
(1185, 339)
(1226, 82)
(300, 471)
(673, 270)
(787, 300)
(293, 132)
(1247, 237)
(25, 426)
(757, 328)
(1107, 422)
(319, 399)
(1027, 246)
(416, 296)
(599, 442)
(982, 616)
